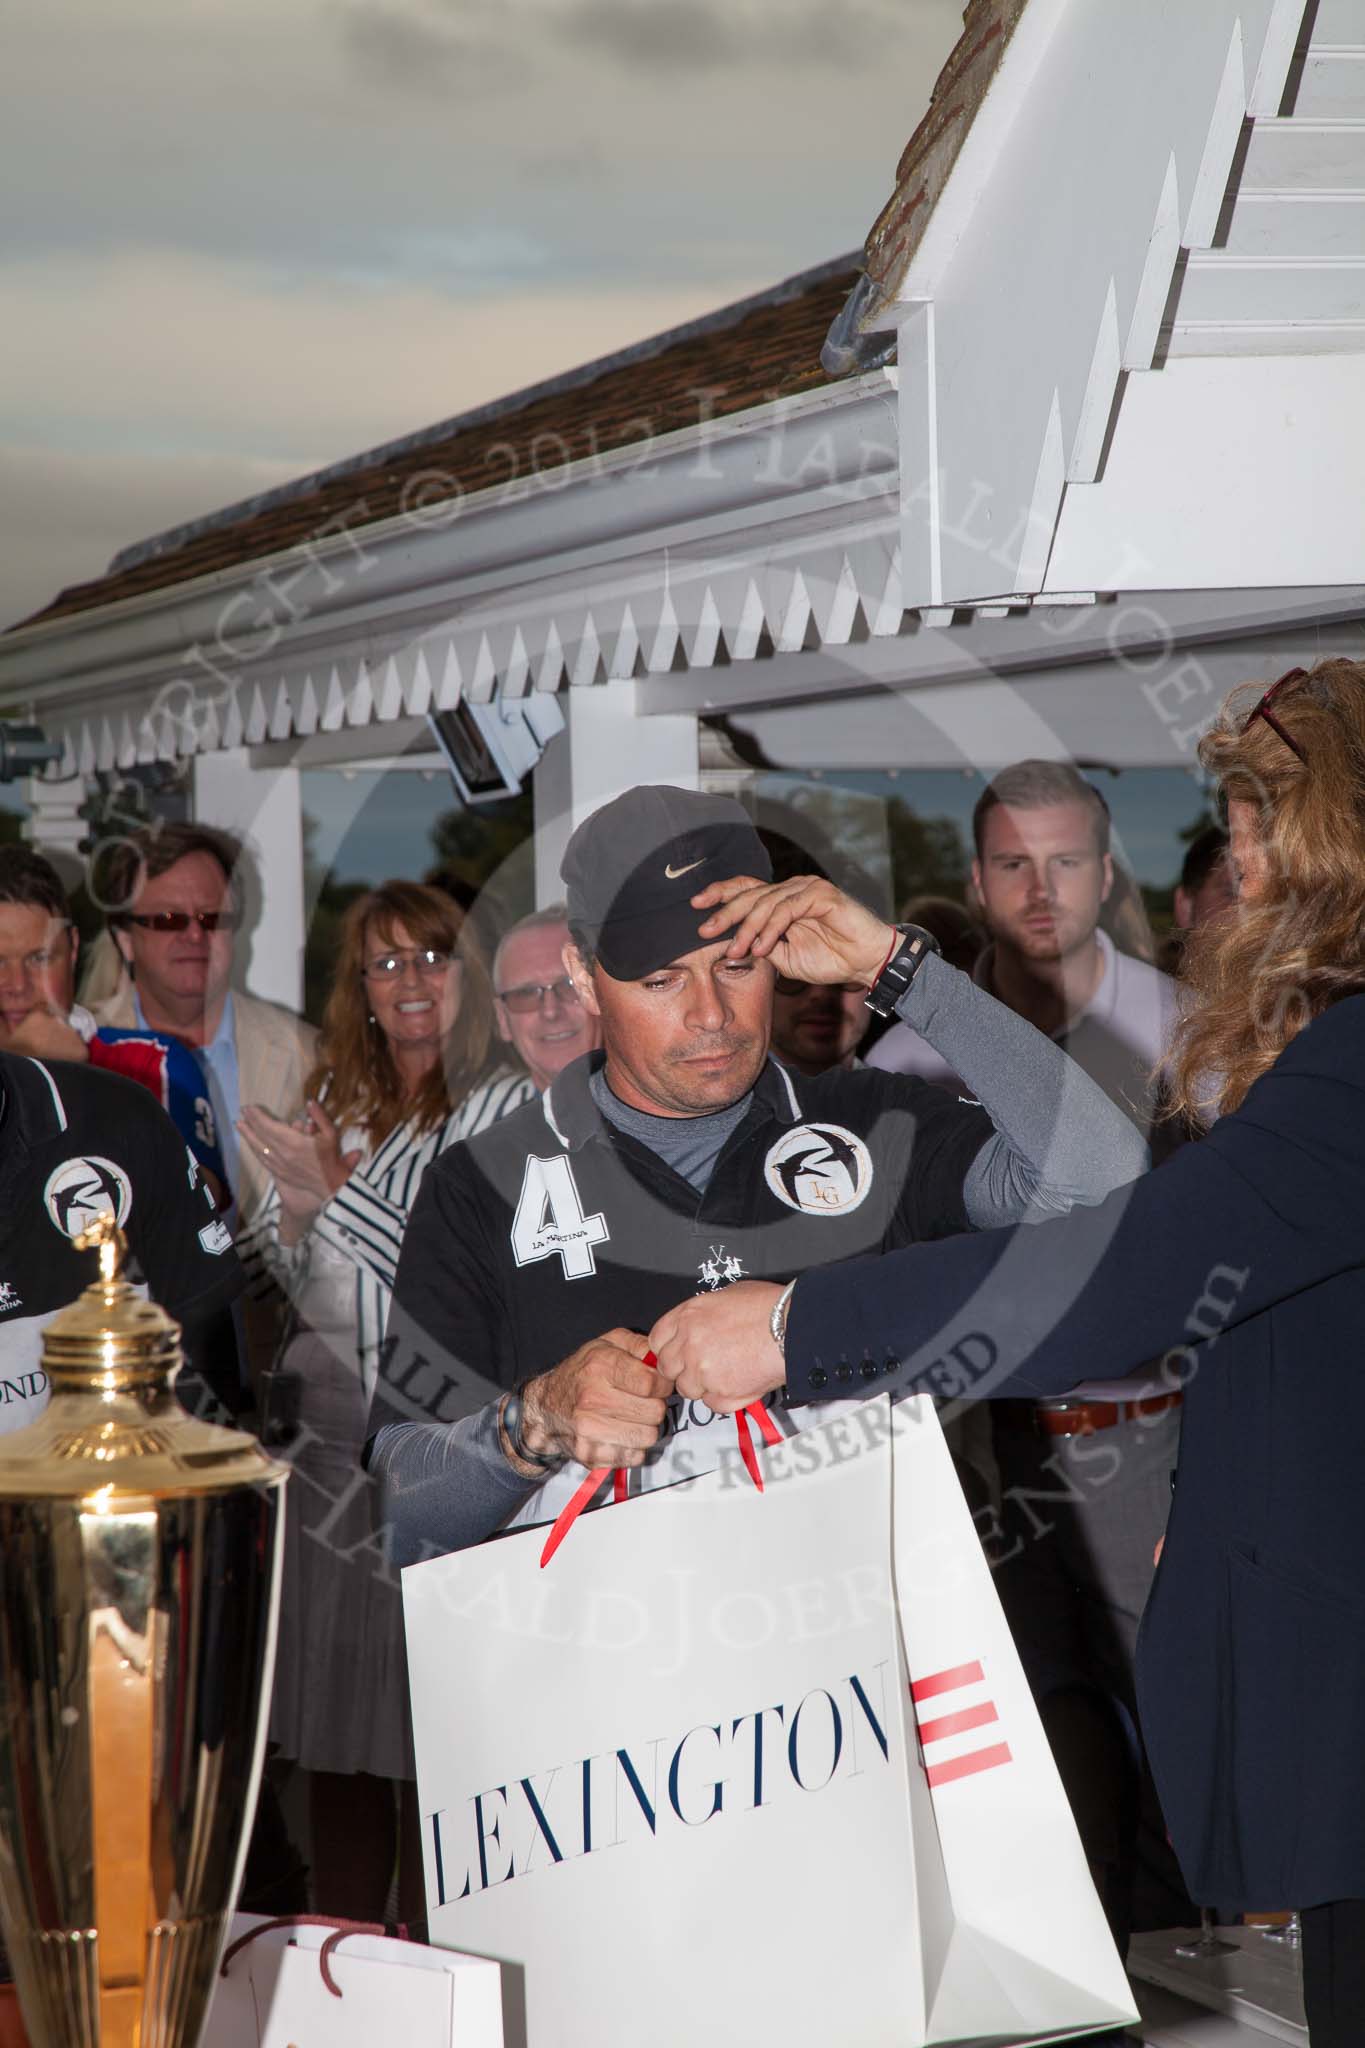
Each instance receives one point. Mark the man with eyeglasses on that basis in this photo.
(538, 1010)
(171, 896)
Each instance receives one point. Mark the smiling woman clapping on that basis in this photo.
(407, 1066)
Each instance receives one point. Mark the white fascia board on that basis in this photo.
(814, 454)
(1140, 634)
(1237, 472)
(1096, 712)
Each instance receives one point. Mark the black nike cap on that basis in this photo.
(632, 868)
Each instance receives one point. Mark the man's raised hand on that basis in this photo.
(601, 1406)
(809, 929)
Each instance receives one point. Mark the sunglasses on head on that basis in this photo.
(181, 920)
(1263, 710)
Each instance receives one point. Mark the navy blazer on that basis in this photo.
(1242, 1262)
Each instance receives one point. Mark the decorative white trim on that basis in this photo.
(777, 529)
(57, 1103)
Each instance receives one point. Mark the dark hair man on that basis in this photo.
(538, 1010)
(815, 1026)
(681, 1158)
(38, 942)
(171, 895)
(1206, 888)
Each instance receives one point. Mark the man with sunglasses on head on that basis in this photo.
(538, 1010)
(172, 897)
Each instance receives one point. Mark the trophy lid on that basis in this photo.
(109, 1339)
(113, 1422)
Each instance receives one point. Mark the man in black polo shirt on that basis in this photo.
(679, 1159)
(75, 1141)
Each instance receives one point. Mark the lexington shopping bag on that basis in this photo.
(300, 1984)
(1023, 1931)
(678, 1775)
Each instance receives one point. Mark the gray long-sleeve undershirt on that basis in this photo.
(1059, 1141)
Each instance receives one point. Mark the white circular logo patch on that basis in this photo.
(81, 1189)
(821, 1169)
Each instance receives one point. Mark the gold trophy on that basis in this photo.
(139, 1589)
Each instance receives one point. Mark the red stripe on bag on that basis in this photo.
(572, 1509)
(968, 1766)
(944, 1725)
(945, 1681)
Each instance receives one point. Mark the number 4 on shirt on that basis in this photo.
(550, 1220)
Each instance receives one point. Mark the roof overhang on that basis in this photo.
(775, 529)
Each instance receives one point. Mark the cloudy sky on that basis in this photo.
(240, 238)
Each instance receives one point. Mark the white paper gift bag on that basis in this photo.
(276, 1992)
(677, 1775)
(1024, 1929)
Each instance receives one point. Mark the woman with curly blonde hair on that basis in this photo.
(407, 1064)
(1290, 767)
(1240, 1266)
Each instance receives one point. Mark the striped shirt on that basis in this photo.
(365, 1219)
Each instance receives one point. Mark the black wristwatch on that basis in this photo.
(512, 1416)
(900, 970)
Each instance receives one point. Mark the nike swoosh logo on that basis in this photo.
(674, 873)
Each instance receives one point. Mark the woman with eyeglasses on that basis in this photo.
(407, 1064)
(1240, 1266)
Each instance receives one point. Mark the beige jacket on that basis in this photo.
(274, 1053)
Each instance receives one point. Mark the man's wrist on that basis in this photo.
(869, 970)
(528, 1443)
(911, 947)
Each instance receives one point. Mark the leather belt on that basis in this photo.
(1083, 1418)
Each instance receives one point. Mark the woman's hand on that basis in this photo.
(304, 1159)
(809, 929)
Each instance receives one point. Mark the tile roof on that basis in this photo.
(933, 149)
(747, 354)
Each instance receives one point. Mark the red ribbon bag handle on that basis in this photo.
(573, 1508)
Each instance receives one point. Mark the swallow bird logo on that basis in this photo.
(81, 1189)
(820, 1169)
